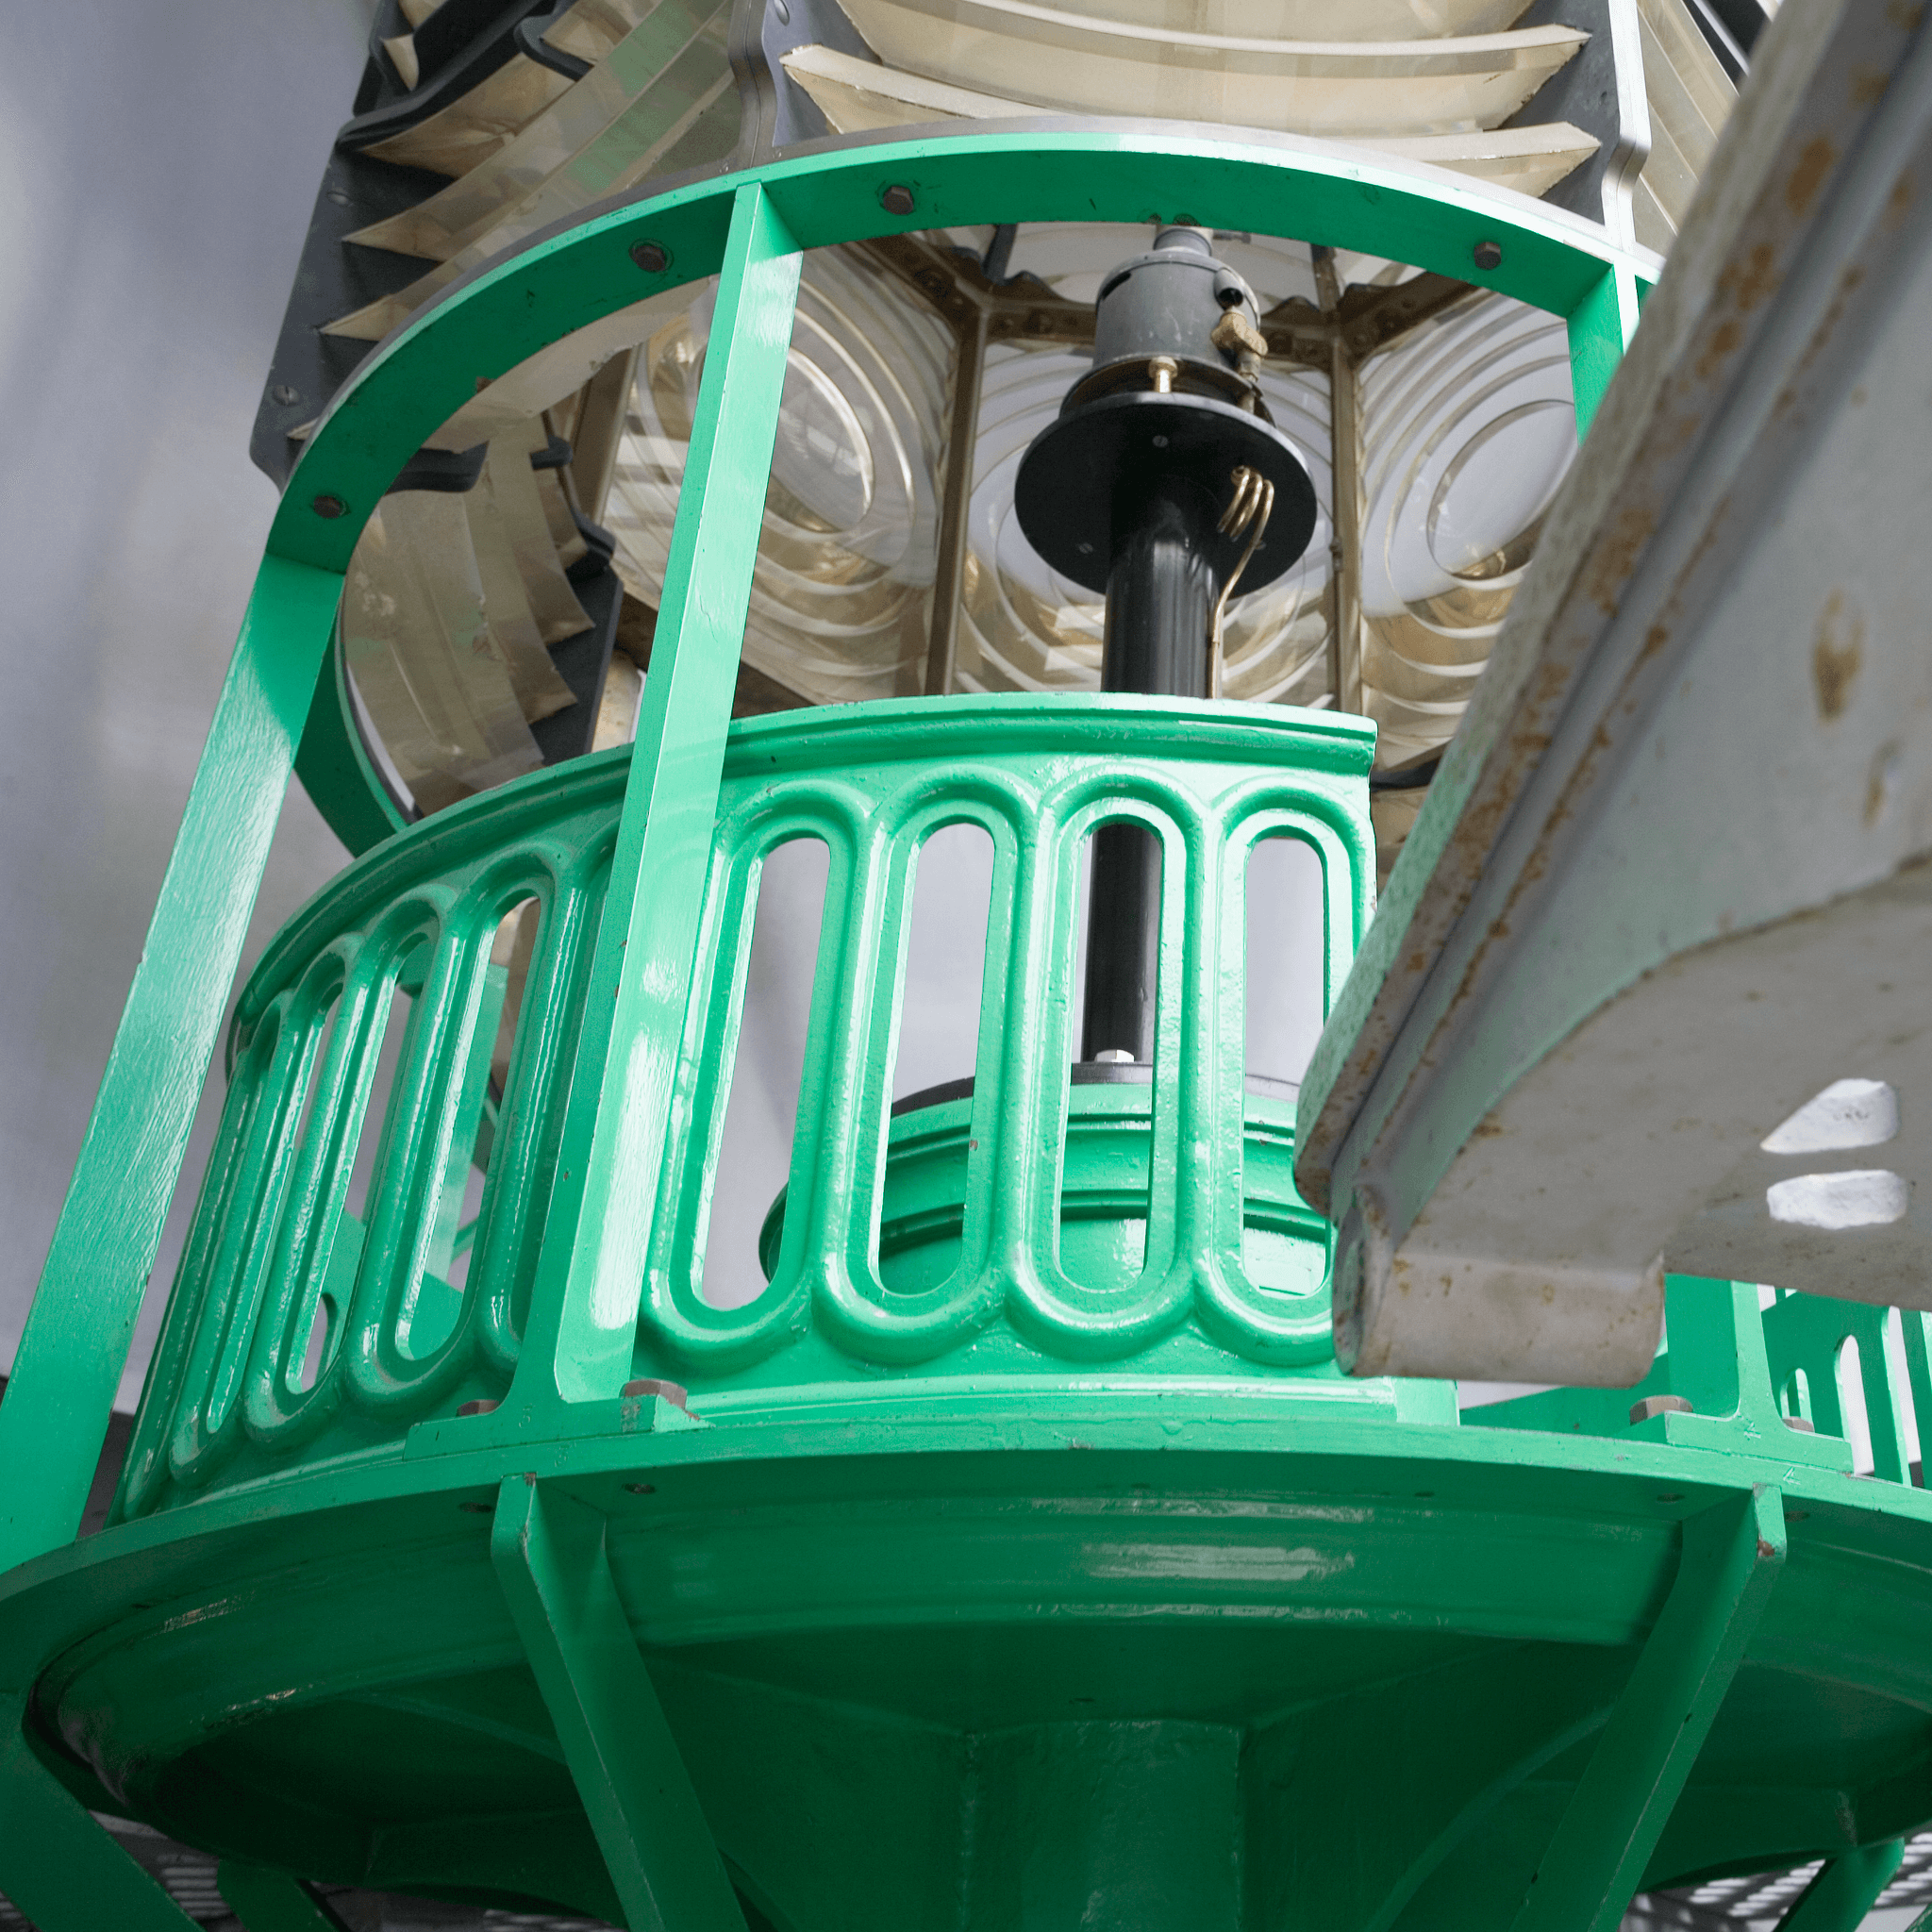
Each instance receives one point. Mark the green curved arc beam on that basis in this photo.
(1323, 192)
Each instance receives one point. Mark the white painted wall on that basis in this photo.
(158, 163)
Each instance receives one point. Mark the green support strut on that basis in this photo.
(590, 1276)
(1838, 1898)
(550, 1558)
(55, 1417)
(1732, 1554)
(59, 1866)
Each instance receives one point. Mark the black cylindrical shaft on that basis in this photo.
(1160, 597)
(1123, 943)
(1160, 593)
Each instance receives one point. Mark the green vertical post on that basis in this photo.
(1732, 1554)
(591, 1275)
(57, 1864)
(1838, 1898)
(61, 1391)
(550, 1558)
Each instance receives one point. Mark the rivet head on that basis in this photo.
(286, 396)
(652, 256)
(329, 506)
(1487, 255)
(896, 199)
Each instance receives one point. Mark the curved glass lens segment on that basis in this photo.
(842, 594)
(1469, 425)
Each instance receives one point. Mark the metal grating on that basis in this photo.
(189, 1876)
(1759, 1902)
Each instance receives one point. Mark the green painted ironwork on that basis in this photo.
(70, 1358)
(964, 1588)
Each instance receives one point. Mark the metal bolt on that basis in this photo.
(284, 395)
(652, 256)
(1487, 255)
(896, 199)
(329, 506)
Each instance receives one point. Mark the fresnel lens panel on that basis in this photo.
(871, 589)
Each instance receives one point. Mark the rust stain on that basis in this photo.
(1745, 284)
(1723, 345)
(1903, 193)
(1616, 556)
(1879, 779)
(1677, 432)
(1905, 14)
(1807, 178)
(1868, 86)
(1836, 654)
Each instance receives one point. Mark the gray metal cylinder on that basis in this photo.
(1165, 306)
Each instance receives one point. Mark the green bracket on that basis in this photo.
(1838, 1898)
(267, 1901)
(1732, 1554)
(57, 1864)
(550, 1558)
